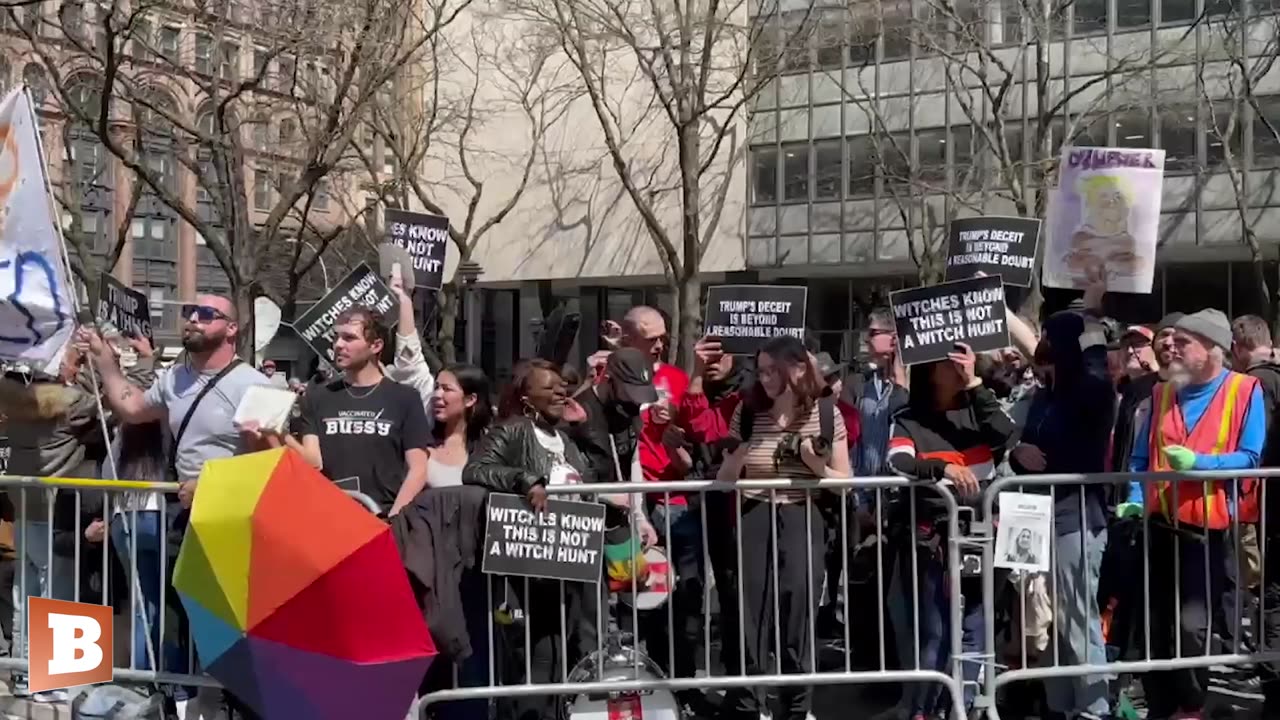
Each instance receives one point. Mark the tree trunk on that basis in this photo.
(244, 297)
(449, 301)
(689, 284)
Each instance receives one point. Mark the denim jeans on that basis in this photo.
(932, 644)
(153, 588)
(46, 575)
(1078, 626)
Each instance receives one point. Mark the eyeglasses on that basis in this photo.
(203, 313)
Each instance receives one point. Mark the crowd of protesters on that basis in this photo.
(1080, 395)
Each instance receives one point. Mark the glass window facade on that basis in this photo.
(878, 129)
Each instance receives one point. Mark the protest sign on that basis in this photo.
(1105, 212)
(563, 542)
(125, 308)
(37, 309)
(994, 245)
(362, 287)
(745, 317)
(426, 238)
(930, 320)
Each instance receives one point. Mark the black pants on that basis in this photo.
(684, 552)
(1270, 671)
(794, 602)
(722, 547)
(1179, 561)
(550, 657)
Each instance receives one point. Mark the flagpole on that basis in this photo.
(139, 600)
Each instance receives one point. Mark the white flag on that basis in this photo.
(37, 311)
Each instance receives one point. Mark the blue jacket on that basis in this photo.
(1071, 421)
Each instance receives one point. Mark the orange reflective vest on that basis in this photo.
(1200, 503)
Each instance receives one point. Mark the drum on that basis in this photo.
(619, 665)
(653, 591)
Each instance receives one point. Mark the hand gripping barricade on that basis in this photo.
(68, 557)
(698, 614)
(1174, 597)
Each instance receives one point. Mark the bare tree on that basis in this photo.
(257, 104)
(435, 158)
(1228, 88)
(664, 75)
(1006, 108)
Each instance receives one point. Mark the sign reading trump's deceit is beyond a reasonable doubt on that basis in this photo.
(745, 317)
(71, 644)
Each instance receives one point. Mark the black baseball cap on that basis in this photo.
(631, 372)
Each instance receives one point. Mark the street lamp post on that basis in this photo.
(470, 271)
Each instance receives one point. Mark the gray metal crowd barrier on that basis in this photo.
(1221, 551)
(601, 674)
(59, 576)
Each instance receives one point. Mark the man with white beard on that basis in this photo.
(1204, 417)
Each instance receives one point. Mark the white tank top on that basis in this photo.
(442, 475)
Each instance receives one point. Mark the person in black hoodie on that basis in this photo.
(954, 430)
(1068, 430)
(1252, 353)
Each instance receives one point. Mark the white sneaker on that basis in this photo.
(206, 705)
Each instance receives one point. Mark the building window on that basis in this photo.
(73, 21)
(1133, 129)
(4, 67)
(829, 170)
(862, 166)
(261, 58)
(1177, 11)
(167, 43)
(320, 199)
(932, 151)
(1178, 138)
(87, 159)
(288, 131)
(33, 76)
(764, 176)
(261, 133)
(287, 68)
(141, 37)
(897, 29)
(204, 54)
(795, 173)
(894, 159)
(1215, 131)
(261, 190)
(1266, 132)
(156, 298)
(229, 61)
(1133, 13)
(765, 53)
(1090, 16)
(829, 42)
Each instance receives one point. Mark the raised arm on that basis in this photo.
(129, 402)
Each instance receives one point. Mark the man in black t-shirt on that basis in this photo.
(363, 430)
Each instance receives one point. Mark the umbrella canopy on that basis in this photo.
(297, 597)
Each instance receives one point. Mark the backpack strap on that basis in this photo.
(827, 417)
(746, 420)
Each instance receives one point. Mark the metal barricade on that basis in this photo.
(57, 559)
(1188, 589)
(610, 664)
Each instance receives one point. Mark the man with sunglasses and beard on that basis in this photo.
(198, 400)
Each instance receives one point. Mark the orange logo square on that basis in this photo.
(70, 644)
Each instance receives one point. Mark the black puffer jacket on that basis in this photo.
(511, 460)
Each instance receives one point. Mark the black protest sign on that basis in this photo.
(931, 320)
(361, 288)
(125, 308)
(994, 245)
(425, 237)
(563, 542)
(745, 317)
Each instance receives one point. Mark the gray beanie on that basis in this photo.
(1209, 324)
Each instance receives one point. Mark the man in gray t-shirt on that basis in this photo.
(211, 433)
(209, 338)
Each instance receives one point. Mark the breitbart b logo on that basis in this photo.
(70, 644)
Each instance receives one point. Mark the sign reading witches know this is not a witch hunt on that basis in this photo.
(563, 542)
(931, 320)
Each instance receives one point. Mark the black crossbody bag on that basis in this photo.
(180, 518)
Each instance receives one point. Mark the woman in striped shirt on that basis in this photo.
(952, 430)
(787, 427)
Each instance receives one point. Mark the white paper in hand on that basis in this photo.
(269, 407)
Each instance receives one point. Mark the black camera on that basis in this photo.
(789, 447)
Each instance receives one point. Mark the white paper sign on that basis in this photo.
(269, 407)
(1024, 533)
(37, 311)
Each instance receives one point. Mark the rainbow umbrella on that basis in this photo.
(297, 597)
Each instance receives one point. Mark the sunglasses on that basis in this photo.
(203, 313)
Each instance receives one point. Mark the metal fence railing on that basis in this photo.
(110, 542)
(742, 593)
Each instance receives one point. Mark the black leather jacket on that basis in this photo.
(511, 460)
